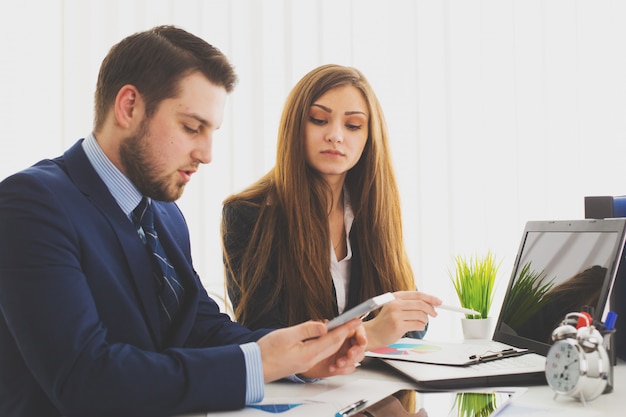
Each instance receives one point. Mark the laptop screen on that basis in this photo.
(561, 267)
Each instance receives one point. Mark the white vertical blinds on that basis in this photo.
(500, 111)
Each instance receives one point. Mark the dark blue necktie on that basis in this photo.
(170, 291)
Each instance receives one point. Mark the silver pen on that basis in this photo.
(349, 409)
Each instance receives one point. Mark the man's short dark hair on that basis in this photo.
(154, 61)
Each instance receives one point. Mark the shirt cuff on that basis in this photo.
(255, 385)
(301, 379)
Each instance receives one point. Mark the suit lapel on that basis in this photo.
(138, 260)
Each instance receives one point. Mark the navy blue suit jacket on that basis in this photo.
(79, 325)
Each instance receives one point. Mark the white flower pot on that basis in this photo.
(477, 328)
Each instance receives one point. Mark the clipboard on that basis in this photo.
(437, 353)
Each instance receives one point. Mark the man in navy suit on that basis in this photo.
(80, 327)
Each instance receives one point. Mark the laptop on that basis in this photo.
(570, 265)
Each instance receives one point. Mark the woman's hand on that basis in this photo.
(408, 312)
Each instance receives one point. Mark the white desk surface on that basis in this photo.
(375, 380)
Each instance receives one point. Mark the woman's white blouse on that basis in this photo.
(340, 269)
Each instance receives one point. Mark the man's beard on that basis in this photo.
(135, 154)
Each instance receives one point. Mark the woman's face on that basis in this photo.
(336, 132)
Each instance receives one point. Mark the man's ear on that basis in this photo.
(127, 107)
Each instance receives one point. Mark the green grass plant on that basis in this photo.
(474, 280)
(474, 404)
(526, 297)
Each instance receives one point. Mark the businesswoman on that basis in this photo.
(322, 230)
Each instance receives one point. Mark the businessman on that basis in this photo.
(102, 312)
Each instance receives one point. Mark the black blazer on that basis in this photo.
(239, 220)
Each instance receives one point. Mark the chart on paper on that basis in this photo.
(416, 350)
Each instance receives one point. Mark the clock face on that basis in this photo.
(563, 366)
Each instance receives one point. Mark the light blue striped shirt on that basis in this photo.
(128, 197)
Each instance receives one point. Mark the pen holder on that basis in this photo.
(608, 340)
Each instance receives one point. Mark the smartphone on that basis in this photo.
(469, 403)
(362, 309)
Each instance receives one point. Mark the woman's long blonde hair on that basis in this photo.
(292, 227)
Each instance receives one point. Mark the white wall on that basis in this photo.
(500, 111)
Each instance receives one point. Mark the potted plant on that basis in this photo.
(474, 281)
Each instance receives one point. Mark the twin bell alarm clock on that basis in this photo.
(578, 364)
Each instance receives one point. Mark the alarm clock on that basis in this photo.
(577, 364)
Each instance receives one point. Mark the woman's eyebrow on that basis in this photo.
(326, 109)
(348, 113)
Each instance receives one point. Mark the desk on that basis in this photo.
(375, 380)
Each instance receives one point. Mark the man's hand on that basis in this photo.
(311, 350)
